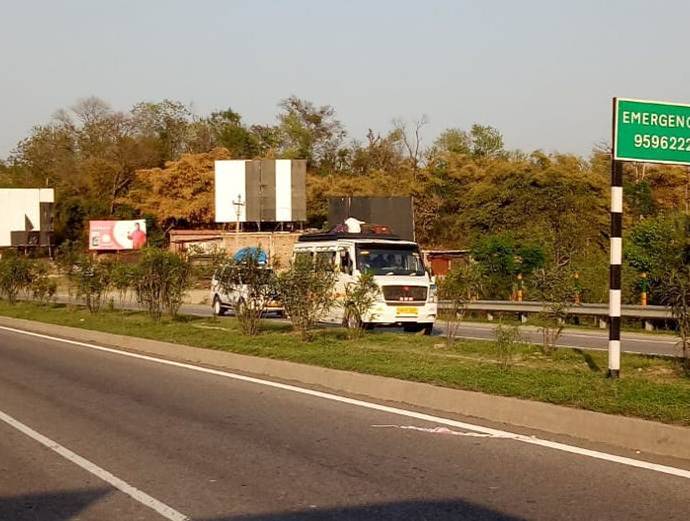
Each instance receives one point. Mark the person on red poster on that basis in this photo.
(138, 237)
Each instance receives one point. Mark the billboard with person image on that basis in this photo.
(117, 235)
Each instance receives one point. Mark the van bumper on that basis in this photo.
(387, 314)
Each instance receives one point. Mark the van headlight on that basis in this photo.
(433, 294)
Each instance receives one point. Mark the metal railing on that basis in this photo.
(598, 310)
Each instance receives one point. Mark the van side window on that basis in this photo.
(304, 256)
(325, 259)
(345, 262)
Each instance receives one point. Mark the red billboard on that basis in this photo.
(117, 235)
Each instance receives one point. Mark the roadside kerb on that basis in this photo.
(629, 433)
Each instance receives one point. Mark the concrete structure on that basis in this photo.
(277, 244)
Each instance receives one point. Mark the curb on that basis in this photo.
(625, 432)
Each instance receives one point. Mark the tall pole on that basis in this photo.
(238, 210)
(616, 259)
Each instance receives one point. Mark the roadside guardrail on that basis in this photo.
(597, 310)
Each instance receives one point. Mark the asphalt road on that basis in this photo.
(215, 448)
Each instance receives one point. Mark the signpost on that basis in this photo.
(643, 131)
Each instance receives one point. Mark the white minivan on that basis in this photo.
(407, 296)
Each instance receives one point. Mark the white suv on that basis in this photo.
(223, 301)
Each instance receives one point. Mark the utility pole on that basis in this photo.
(238, 203)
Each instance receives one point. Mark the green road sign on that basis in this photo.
(651, 131)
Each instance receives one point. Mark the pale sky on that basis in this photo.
(542, 72)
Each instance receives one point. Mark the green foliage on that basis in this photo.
(254, 285)
(507, 340)
(15, 275)
(156, 161)
(555, 287)
(92, 279)
(360, 296)
(501, 258)
(461, 284)
(161, 280)
(485, 141)
(640, 198)
(307, 292)
(676, 294)
(657, 246)
(123, 276)
(310, 133)
(43, 287)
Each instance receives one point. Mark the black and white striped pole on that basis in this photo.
(616, 259)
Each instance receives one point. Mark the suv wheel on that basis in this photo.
(218, 309)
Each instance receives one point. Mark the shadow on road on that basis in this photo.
(442, 510)
(51, 506)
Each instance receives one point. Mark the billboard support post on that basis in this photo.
(238, 211)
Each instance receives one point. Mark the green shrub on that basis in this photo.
(360, 296)
(307, 292)
(253, 286)
(92, 279)
(42, 287)
(15, 275)
(161, 279)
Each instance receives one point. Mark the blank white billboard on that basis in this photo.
(230, 189)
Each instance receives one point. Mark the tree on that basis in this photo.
(167, 123)
(502, 258)
(310, 132)
(657, 246)
(180, 193)
(412, 141)
(486, 141)
(229, 132)
(454, 141)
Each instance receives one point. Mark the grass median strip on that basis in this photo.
(651, 388)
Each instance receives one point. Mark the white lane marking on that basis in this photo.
(442, 430)
(142, 497)
(378, 407)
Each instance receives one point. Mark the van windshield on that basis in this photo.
(393, 259)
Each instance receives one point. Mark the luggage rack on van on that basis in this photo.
(332, 236)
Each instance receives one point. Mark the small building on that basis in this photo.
(442, 261)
